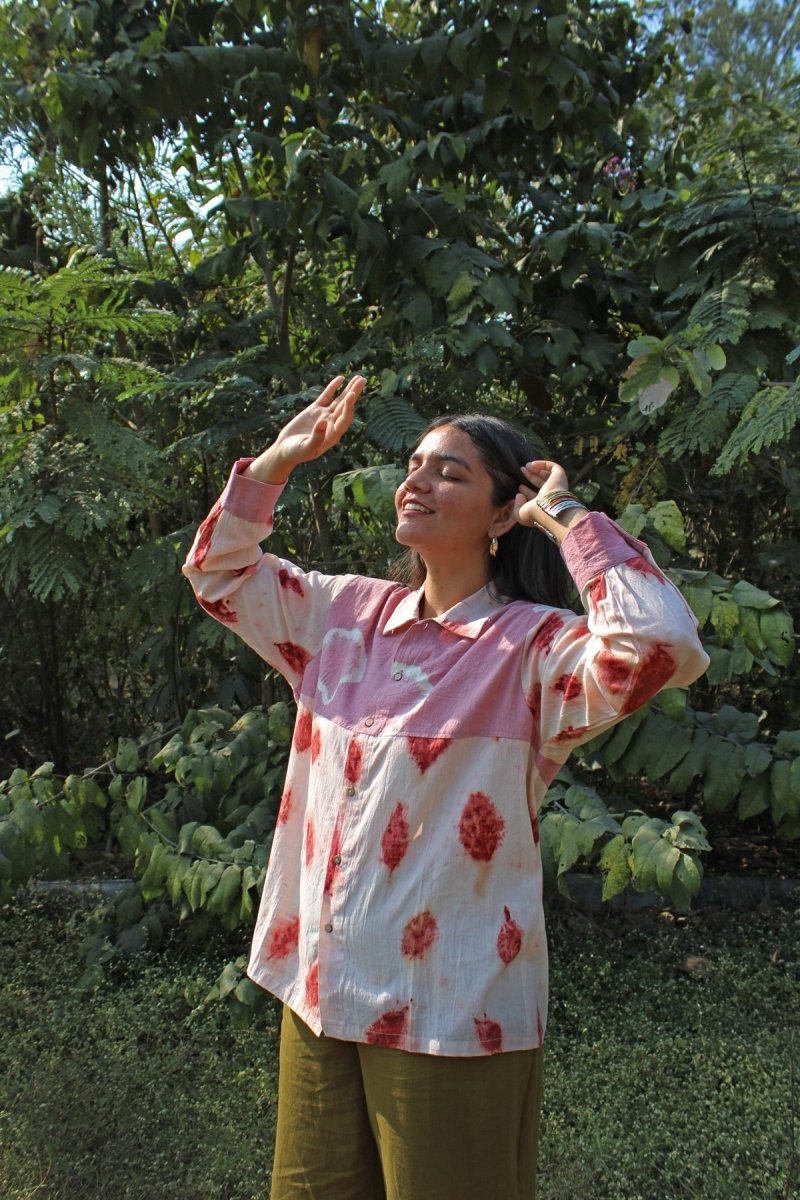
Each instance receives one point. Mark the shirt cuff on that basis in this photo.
(595, 544)
(247, 498)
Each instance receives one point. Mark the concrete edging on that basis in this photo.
(738, 893)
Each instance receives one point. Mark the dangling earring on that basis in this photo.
(494, 546)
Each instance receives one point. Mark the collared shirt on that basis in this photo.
(402, 904)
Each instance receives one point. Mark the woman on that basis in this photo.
(401, 920)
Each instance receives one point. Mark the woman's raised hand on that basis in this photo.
(311, 433)
(544, 477)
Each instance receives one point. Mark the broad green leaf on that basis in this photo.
(614, 863)
(754, 796)
(186, 835)
(724, 616)
(788, 742)
(153, 882)
(653, 858)
(693, 765)
(687, 832)
(725, 771)
(634, 519)
(777, 632)
(699, 597)
(639, 347)
(686, 879)
(127, 756)
(668, 520)
(226, 893)
(672, 702)
(741, 660)
(782, 800)
(616, 747)
(746, 595)
(136, 793)
(672, 744)
(279, 724)
(757, 758)
(569, 849)
(180, 866)
(729, 721)
(461, 290)
(719, 669)
(29, 821)
(555, 245)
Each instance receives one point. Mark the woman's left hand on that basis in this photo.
(543, 476)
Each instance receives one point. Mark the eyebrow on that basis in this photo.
(443, 458)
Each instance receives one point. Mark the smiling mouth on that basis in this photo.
(412, 506)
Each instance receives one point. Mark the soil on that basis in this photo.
(749, 848)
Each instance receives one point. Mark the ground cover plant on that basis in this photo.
(671, 1064)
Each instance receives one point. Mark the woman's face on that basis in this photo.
(444, 505)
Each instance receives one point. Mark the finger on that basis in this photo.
(534, 476)
(345, 408)
(327, 394)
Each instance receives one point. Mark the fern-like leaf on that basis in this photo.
(768, 418)
(723, 312)
(393, 423)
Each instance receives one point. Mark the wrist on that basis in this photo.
(572, 516)
(270, 467)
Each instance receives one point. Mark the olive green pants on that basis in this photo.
(359, 1122)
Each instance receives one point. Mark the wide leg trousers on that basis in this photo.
(360, 1122)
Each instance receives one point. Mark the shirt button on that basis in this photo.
(329, 928)
(370, 721)
(398, 675)
(351, 791)
(337, 858)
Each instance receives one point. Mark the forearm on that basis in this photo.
(559, 527)
(270, 467)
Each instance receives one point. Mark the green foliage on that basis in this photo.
(650, 854)
(478, 205)
(194, 821)
(716, 756)
(71, 457)
(43, 821)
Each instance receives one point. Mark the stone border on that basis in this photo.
(738, 893)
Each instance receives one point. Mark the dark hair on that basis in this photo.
(527, 566)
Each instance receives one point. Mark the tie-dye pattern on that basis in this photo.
(402, 903)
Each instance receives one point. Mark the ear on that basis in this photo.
(504, 520)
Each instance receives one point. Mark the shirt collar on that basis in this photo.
(467, 618)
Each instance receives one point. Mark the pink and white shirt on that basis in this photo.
(402, 904)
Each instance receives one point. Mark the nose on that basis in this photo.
(416, 479)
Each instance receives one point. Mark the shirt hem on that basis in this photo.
(435, 1047)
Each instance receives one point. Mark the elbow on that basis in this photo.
(691, 660)
(676, 662)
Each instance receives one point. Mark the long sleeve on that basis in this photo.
(274, 606)
(581, 674)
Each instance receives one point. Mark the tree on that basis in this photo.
(478, 203)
